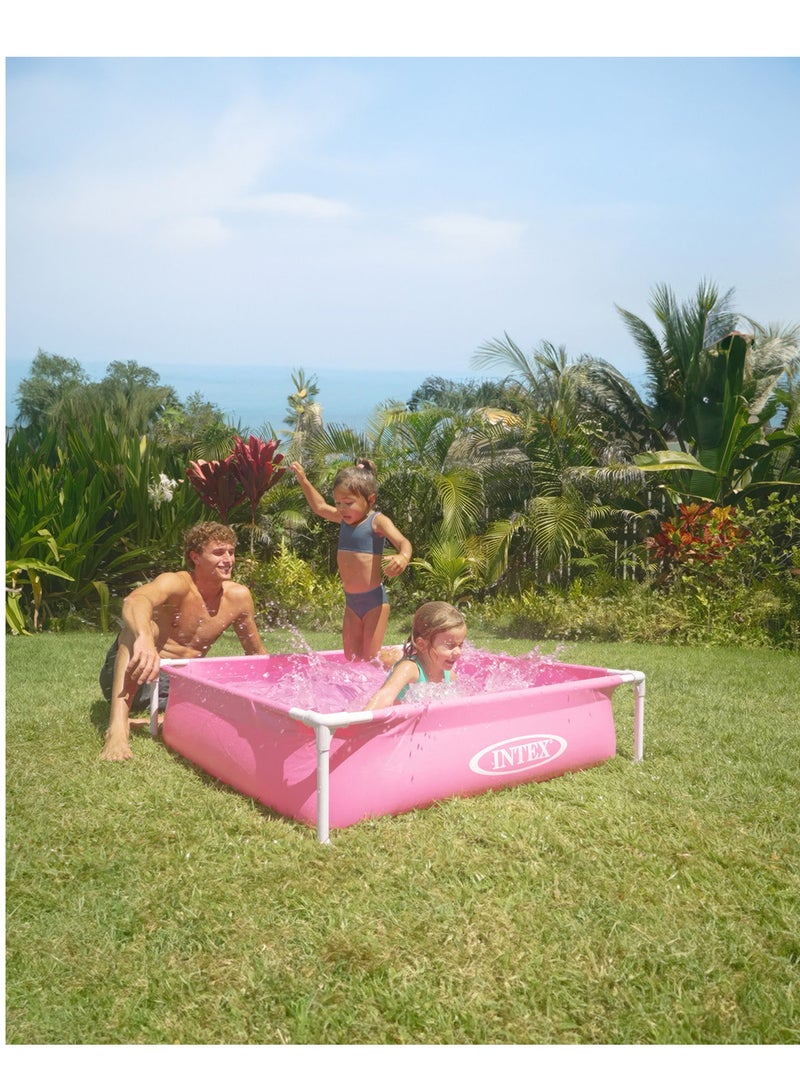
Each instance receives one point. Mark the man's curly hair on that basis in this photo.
(198, 537)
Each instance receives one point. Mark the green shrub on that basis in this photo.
(772, 544)
(109, 507)
(287, 591)
(688, 612)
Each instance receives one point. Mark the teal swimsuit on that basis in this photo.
(422, 678)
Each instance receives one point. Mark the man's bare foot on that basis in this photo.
(116, 748)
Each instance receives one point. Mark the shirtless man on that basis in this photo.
(177, 616)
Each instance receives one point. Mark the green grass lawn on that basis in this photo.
(642, 904)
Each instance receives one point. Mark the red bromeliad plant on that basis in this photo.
(216, 484)
(701, 533)
(246, 474)
(256, 467)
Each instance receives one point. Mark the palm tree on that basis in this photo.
(304, 415)
(677, 363)
(452, 569)
(460, 396)
(427, 474)
(557, 464)
(713, 392)
(552, 508)
(546, 381)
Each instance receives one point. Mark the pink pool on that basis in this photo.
(304, 750)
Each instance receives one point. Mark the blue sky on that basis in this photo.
(389, 214)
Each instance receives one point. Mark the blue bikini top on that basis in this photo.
(361, 538)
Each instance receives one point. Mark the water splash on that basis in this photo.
(291, 634)
(315, 680)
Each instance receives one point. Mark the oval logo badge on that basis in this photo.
(517, 754)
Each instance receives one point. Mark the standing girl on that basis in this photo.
(362, 536)
(431, 652)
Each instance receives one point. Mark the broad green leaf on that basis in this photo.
(668, 460)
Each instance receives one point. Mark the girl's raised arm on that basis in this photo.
(316, 501)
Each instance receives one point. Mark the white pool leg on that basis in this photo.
(324, 735)
(638, 679)
(154, 701)
(324, 724)
(154, 710)
(638, 719)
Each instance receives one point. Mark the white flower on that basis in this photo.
(162, 491)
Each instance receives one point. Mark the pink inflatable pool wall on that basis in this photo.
(333, 769)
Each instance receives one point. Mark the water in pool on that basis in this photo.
(315, 682)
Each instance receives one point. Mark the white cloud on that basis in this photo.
(165, 180)
(297, 204)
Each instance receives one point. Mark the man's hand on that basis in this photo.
(145, 661)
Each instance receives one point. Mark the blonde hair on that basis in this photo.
(198, 537)
(429, 620)
(361, 478)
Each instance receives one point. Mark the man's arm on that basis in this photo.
(245, 626)
(137, 614)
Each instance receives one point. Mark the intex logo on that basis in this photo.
(513, 755)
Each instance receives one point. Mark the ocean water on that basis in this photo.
(255, 396)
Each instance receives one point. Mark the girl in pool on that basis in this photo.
(431, 652)
(362, 536)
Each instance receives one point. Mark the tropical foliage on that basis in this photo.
(714, 393)
(700, 534)
(94, 505)
(558, 474)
